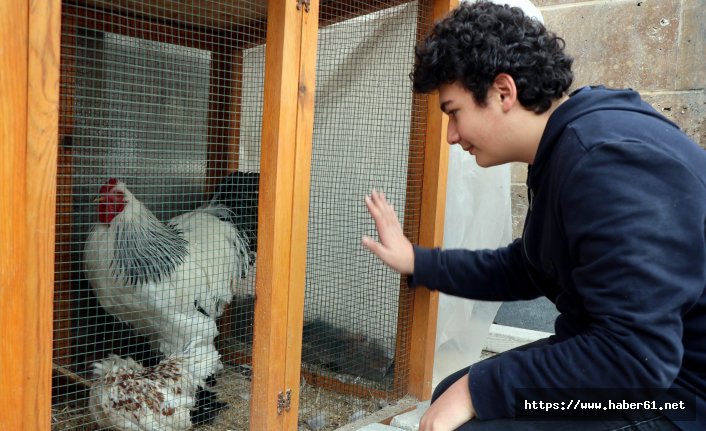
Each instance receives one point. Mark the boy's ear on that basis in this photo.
(506, 91)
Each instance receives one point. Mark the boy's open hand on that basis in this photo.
(394, 249)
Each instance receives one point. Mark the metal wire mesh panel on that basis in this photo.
(368, 133)
(156, 216)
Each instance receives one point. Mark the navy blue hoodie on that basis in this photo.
(615, 236)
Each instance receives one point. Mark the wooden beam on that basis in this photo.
(153, 29)
(159, 25)
(226, 83)
(225, 89)
(336, 385)
(64, 198)
(233, 357)
(14, 46)
(431, 231)
(42, 139)
(383, 416)
(331, 12)
(203, 26)
(195, 13)
(235, 106)
(412, 211)
(29, 65)
(71, 376)
(336, 11)
(276, 205)
(306, 84)
(224, 140)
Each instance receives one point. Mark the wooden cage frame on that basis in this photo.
(30, 151)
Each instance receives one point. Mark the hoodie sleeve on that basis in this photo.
(634, 221)
(487, 275)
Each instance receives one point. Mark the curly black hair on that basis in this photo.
(478, 41)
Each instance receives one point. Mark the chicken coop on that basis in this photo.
(182, 207)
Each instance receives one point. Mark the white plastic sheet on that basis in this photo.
(478, 216)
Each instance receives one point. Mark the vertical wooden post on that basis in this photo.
(283, 208)
(42, 139)
(63, 283)
(300, 216)
(235, 105)
(29, 63)
(431, 231)
(14, 46)
(225, 90)
(226, 87)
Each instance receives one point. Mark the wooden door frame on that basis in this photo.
(30, 32)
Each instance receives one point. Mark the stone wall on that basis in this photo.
(657, 47)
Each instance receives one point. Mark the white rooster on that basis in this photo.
(169, 281)
(129, 397)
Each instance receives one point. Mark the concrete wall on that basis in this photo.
(657, 47)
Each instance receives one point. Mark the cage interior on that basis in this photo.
(166, 98)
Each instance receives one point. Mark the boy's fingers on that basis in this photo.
(381, 213)
(372, 208)
(368, 204)
(378, 202)
(379, 199)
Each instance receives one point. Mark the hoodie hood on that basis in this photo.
(582, 102)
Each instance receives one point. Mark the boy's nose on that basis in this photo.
(452, 135)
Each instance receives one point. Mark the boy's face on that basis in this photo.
(480, 130)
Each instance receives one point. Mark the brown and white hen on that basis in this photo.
(130, 397)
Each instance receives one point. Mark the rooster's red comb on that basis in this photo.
(109, 185)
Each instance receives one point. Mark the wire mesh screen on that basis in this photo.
(366, 135)
(156, 215)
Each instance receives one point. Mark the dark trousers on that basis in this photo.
(639, 420)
